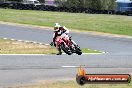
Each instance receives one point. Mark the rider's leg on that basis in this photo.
(59, 50)
(65, 35)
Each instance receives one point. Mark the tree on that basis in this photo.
(72, 3)
(42, 1)
(60, 2)
(94, 4)
(2, 0)
(101, 4)
(14, 0)
(112, 4)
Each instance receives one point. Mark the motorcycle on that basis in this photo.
(73, 48)
(67, 45)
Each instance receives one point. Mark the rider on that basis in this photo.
(60, 31)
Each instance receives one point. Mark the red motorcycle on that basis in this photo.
(67, 45)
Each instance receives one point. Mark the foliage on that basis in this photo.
(94, 4)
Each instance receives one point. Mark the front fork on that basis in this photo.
(73, 42)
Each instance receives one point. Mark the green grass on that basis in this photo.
(16, 47)
(86, 50)
(73, 84)
(116, 24)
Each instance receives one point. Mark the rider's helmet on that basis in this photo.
(56, 27)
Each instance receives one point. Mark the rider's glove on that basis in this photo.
(52, 43)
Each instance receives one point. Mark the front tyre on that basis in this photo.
(78, 51)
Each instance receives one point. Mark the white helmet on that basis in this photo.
(56, 27)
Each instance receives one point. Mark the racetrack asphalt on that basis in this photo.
(21, 69)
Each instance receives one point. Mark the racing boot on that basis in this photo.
(59, 51)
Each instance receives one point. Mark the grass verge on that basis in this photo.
(73, 84)
(115, 24)
(86, 50)
(20, 47)
(16, 47)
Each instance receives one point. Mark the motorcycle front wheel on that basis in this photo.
(65, 49)
(78, 51)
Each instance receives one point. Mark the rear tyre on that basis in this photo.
(65, 49)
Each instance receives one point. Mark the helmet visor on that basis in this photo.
(55, 28)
